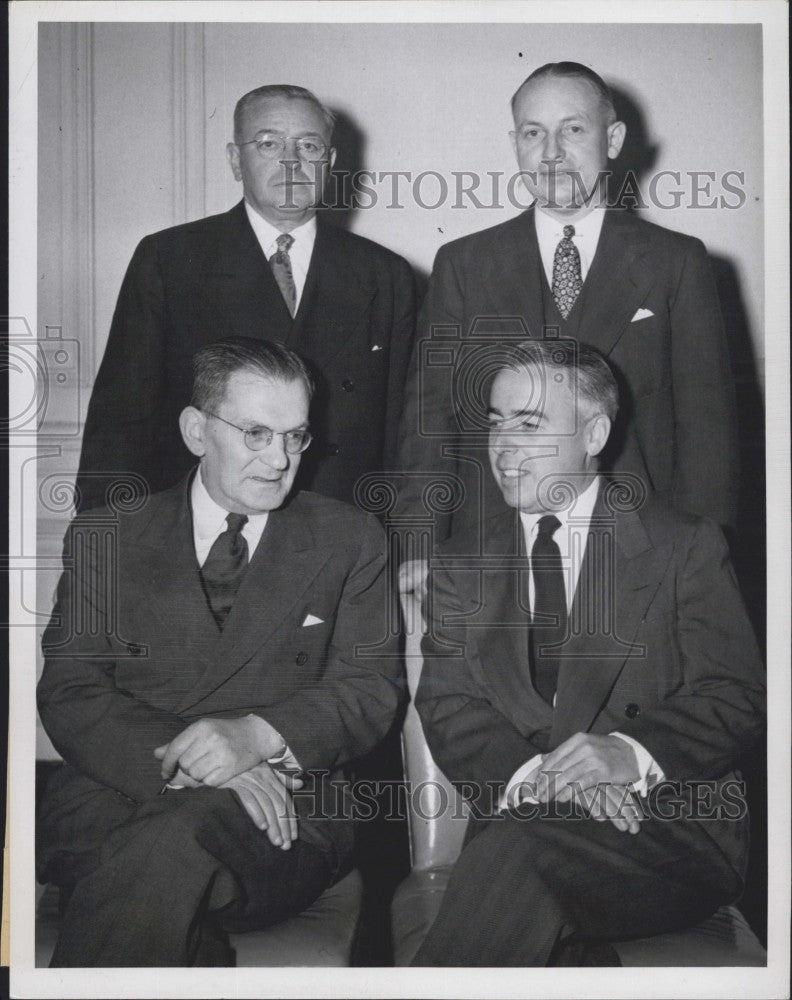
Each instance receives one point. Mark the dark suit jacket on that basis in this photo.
(133, 655)
(676, 427)
(679, 671)
(199, 282)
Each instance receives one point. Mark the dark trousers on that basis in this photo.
(521, 885)
(172, 876)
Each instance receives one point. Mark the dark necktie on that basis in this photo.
(549, 619)
(225, 566)
(567, 279)
(282, 269)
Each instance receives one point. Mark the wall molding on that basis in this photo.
(189, 122)
(78, 256)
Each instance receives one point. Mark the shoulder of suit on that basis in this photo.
(208, 227)
(340, 521)
(659, 236)
(664, 523)
(480, 242)
(470, 541)
(354, 245)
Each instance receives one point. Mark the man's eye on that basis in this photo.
(259, 435)
(310, 146)
(530, 133)
(574, 129)
(267, 144)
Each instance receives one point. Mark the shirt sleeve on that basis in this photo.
(649, 770)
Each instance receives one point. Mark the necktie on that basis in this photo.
(567, 279)
(549, 619)
(282, 269)
(225, 566)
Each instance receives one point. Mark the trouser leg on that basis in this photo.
(521, 883)
(171, 875)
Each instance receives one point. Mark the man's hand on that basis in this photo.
(618, 804)
(265, 796)
(587, 760)
(412, 578)
(211, 751)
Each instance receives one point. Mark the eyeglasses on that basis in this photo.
(259, 438)
(271, 146)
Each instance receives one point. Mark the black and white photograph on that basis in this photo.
(399, 500)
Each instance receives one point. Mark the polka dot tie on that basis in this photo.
(567, 279)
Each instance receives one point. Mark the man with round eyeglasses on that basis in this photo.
(272, 267)
(209, 681)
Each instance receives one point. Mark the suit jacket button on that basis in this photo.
(347, 385)
(632, 710)
(332, 449)
(300, 659)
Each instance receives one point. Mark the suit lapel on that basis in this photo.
(511, 279)
(284, 565)
(335, 297)
(619, 577)
(616, 285)
(241, 262)
(173, 595)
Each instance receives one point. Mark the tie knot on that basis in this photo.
(285, 241)
(236, 522)
(547, 525)
(569, 232)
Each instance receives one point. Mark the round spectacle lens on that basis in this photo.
(271, 147)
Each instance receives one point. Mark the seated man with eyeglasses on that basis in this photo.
(271, 267)
(217, 656)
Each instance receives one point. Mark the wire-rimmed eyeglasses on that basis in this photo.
(271, 146)
(259, 438)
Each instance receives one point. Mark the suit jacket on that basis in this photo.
(133, 655)
(660, 649)
(190, 285)
(676, 427)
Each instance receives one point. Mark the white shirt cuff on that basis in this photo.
(519, 787)
(649, 770)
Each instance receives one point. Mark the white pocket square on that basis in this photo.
(377, 347)
(642, 314)
(312, 620)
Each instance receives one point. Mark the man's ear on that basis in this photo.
(232, 155)
(192, 424)
(597, 434)
(616, 133)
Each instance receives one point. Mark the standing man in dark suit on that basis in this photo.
(269, 268)
(210, 672)
(596, 649)
(642, 295)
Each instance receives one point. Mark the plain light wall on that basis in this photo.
(134, 119)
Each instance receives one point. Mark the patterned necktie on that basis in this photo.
(567, 279)
(549, 620)
(282, 269)
(224, 567)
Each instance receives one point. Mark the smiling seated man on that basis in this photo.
(208, 672)
(596, 648)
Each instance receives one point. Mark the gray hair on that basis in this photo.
(586, 372)
(284, 91)
(214, 364)
(581, 72)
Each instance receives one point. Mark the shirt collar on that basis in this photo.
(587, 228)
(578, 512)
(304, 236)
(209, 518)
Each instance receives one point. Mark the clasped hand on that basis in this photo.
(605, 766)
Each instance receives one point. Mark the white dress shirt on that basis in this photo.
(550, 232)
(571, 538)
(209, 522)
(300, 251)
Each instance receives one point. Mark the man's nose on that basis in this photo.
(275, 454)
(552, 150)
